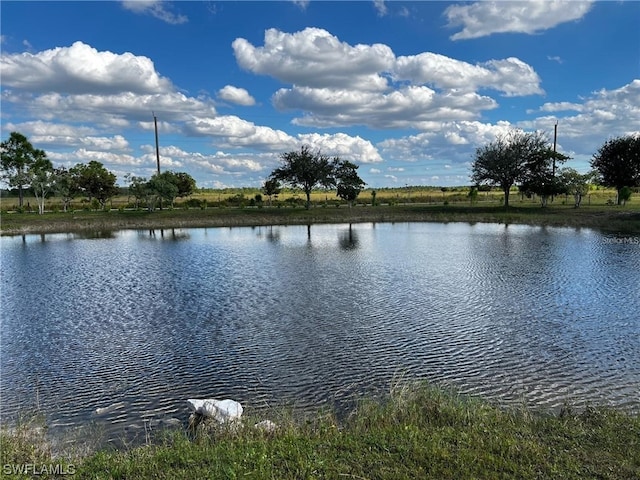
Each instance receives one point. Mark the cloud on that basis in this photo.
(220, 162)
(511, 76)
(155, 8)
(81, 68)
(454, 141)
(354, 149)
(81, 84)
(315, 58)
(232, 131)
(84, 155)
(410, 107)
(481, 19)
(336, 84)
(559, 107)
(604, 112)
(380, 7)
(114, 110)
(236, 95)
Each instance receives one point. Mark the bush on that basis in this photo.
(192, 203)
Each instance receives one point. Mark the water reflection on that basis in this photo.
(348, 240)
(173, 234)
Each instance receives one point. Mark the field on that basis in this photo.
(393, 196)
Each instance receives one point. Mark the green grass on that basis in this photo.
(416, 432)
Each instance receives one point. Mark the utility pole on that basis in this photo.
(155, 124)
(555, 141)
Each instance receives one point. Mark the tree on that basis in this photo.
(66, 186)
(506, 160)
(139, 189)
(539, 177)
(41, 179)
(271, 188)
(617, 162)
(305, 170)
(95, 181)
(16, 156)
(165, 187)
(349, 184)
(574, 183)
(186, 184)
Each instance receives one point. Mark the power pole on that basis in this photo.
(155, 124)
(555, 141)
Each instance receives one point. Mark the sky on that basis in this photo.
(405, 90)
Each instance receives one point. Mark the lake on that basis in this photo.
(117, 329)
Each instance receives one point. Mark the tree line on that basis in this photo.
(516, 159)
(25, 167)
(527, 160)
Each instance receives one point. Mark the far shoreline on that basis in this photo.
(608, 219)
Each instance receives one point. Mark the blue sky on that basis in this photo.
(406, 90)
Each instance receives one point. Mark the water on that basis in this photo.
(119, 329)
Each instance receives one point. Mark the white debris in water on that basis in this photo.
(220, 410)
(109, 409)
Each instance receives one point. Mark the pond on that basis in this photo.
(118, 329)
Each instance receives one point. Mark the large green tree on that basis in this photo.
(164, 186)
(349, 184)
(95, 181)
(617, 162)
(507, 160)
(305, 170)
(16, 157)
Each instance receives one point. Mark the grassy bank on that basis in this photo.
(604, 217)
(417, 432)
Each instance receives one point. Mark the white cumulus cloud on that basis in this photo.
(354, 149)
(236, 95)
(81, 68)
(480, 19)
(315, 58)
(335, 84)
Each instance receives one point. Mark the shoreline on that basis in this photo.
(608, 219)
(417, 430)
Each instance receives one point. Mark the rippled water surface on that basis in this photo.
(119, 331)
